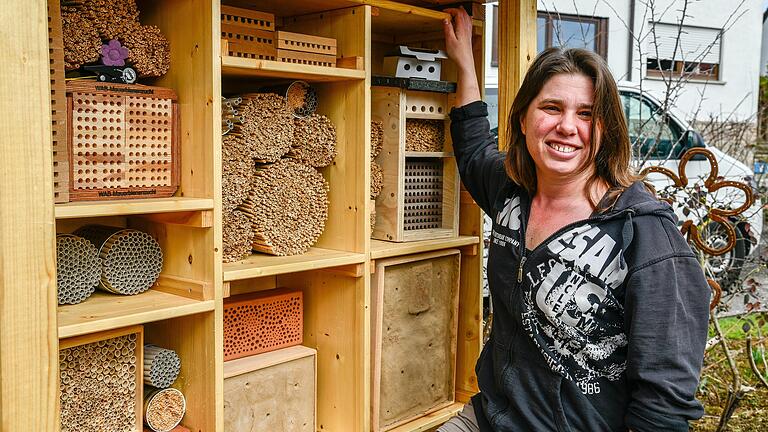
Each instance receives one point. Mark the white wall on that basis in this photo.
(736, 92)
(764, 51)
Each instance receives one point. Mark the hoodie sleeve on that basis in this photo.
(666, 318)
(481, 164)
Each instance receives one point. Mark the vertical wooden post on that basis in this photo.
(28, 336)
(517, 48)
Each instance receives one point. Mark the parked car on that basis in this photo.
(646, 123)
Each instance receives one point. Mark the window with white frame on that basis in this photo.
(688, 51)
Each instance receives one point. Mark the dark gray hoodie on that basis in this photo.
(601, 327)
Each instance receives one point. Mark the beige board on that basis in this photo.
(271, 392)
(415, 306)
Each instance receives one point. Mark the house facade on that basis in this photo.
(709, 67)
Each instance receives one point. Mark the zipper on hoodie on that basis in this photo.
(522, 263)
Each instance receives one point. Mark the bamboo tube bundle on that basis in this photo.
(377, 138)
(163, 409)
(267, 125)
(424, 135)
(149, 50)
(302, 98)
(112, 18)
(81, 40)
(161, 366)
(377, 179)
(77, 268)
(237, 170)
(237, 236)
(288, 207)
(230, 114)
(314, 141)
(131, 260)
(97, 390)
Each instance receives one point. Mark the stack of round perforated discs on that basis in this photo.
(77, 268)
(288, 206)
(161, 366)
(131, 260)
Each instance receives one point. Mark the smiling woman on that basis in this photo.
(600, 306)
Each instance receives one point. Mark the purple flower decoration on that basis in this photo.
(113, 53)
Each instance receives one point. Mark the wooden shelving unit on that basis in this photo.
(184, 311)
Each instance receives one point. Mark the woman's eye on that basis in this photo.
(587, 114)
(551, 108)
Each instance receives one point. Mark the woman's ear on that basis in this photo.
(522, 124)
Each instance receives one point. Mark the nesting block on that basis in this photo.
(419, 198)
(274, 391)
(100, 387)
(260, 322)
(123, 141)
(58, 104)
(415, 302)
(249, 34)
(306, 49)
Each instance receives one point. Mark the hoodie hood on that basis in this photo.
(637, 200)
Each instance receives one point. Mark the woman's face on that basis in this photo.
(557, 126)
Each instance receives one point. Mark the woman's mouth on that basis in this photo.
(562, 148)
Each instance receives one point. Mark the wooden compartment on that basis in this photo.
(261, 322)
(122, 141)
(420, 194)
(98, 373)
(415, 302)
(274, 391)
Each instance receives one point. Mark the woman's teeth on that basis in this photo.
(563, 149)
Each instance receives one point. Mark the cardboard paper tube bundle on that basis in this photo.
(77, 268)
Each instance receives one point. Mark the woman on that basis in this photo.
(600, 306)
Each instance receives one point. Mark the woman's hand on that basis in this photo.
(458, 44)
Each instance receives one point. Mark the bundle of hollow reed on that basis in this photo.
(112, 18)
(377, 179)
(237, 170)
(81, 40)
(377, 137)
(314, 140)
(163, 409)
(97, 386)
(149, 50)
(77, 268)
(131, 260)
(267, 125)
(230, 114)
(288, 206)
(424, 135)
(161, 366)
(373, 214)
(237, 233)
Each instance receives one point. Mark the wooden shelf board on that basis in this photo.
(264, 360)
(237, 67)
(385, 249)
(425, 116)
(130, 207)
(431, 420)
(103, 311)
(417, 154)
(259, 265)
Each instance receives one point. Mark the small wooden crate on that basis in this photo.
(420, 195)
(58, 104)
(306, 49)
(99, 371)
(249, 34)
(263, 321)
(123, 141)
(275, 391)
(414, 303)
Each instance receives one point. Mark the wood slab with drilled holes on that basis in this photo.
(306, 43)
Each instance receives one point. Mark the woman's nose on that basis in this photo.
(567, 124)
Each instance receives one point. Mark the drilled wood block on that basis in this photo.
(58, 104)
(275, 391)
(123, 141)
(261, 322)
(249, 42)
(100, 387)
(306, 43)
(251, 19)
(414, 302)
(423, 198)
(304, 58)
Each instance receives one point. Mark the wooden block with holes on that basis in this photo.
(123, 141)
(274, 391)
(58, 104)
(261, 322)
(251, 34)
(247, 18)
(414, 304)
(420, 195)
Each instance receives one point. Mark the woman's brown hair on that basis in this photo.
(609, 125)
